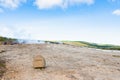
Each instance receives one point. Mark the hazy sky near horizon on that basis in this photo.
(84, 20)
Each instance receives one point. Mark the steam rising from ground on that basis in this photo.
(50, 33)
(13, 32)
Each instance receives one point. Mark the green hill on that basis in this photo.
(92, 45)
(4, 40)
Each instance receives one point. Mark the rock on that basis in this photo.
(1, 51)
(39, 62)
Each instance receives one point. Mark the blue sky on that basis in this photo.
(84, 20)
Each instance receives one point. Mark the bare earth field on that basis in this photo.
(63, 62)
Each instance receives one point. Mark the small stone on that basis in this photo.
(39, 62)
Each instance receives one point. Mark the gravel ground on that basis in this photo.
(63, 62)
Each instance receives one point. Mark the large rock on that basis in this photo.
(39, 62)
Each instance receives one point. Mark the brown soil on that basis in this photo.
(63, 62)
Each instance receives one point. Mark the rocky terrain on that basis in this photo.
(63, 62)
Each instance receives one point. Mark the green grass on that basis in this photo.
(2, 68)
(2, 64)
(4, 39)
(92, 45)
(75, 43)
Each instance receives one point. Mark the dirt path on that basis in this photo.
(64, 62)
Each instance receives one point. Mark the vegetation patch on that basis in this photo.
(2, 51)
(2, 68)
(92, 45)
(118, 56)
(4, 40)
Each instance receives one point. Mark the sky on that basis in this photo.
(95, 21)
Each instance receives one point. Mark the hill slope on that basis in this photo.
(92, 45)
(5, 40)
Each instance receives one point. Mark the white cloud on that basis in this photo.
(116, 12)
(12, 4)
(45, 4)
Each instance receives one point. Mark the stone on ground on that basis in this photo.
(39, 62)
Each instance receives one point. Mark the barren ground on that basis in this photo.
(64, 62)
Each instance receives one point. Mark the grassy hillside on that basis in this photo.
(7, 40)
(75, 43)
(92, 45)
